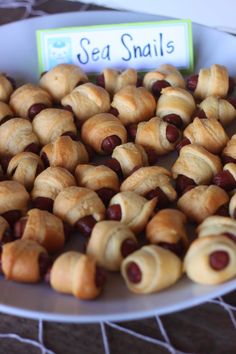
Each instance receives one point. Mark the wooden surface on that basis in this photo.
(205, 329)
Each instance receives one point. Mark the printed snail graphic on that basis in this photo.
(59, 51)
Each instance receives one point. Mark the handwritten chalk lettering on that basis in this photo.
(92, 54)
(158, 47)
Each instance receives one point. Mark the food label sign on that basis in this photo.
(142, 46)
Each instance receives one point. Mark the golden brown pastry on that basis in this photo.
(114, 80)
(87, 100)
(6, 235)
(103, 132)
(110, 242)
(202, 201)
(167, 229)
(218, 108)
(151, 269)
(176, 105)
(131, 209)
(16, 135)
(14, 200)
(101, 179)
(6, 112)
(51, 123)
(24, 261)
(24, 168)
(28, 100)
(208, 133)
(158, 135)
(197, 164)
(229, 152)
(165, 75)
(64, 152)
(217, 225)
(211, 260)
(62, 79)
(134, 104)
(150, 182)
(79, 207)
(48, 184)
(6, 88)
(213, 81)
(42, 227)
(77, 274)
(129, 156)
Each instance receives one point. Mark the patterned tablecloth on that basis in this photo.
(206, 329)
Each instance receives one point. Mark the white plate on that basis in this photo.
(19, 59)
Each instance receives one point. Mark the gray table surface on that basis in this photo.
(205, 329)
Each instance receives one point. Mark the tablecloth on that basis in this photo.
(206, 329)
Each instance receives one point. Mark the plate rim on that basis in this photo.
(117, 317)
(134, 314)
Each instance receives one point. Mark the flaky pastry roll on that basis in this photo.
(28, 100)
(151, 181)
(74, 203)
(110, 242)
(158, 135)
(24, 261)
(24, 167)
(165, 72)
(6, 112)
(196, 163)
(51, 123)
(87, 100)
(48, 184)
(14, 200)
(217, 225)
(131, 209)
(103, 132)
(17, 135)
(100, 178)
(229, 152)
(62, 79)
(151, 269)
(129, 157)
(42, 227)
(202, 201)
(218, 108)
(77, 274)
(64, 152)
(114, 80)
(6, 88)
(134, 104)
(177, 101)
(167, 229)
(208, 133)
(211, 260)
(213, 81)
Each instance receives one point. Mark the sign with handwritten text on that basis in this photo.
(142, 46)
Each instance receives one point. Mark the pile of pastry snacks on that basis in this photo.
(130, 212)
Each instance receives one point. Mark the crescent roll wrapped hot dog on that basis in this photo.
(24, 261)
(211, 260)
(151, 269)
(62, 79)
(77, 274)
